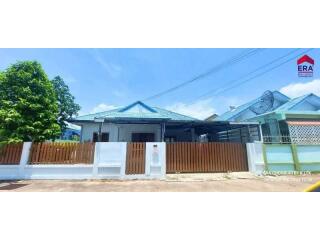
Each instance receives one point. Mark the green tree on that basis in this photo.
(66, 102)
(3, 138)
(28, 104)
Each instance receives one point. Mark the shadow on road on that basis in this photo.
(12, 185)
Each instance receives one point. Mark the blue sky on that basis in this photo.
(101, 79)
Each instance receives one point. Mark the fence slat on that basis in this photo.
(61, 153)
(206, 157)
(135, 162)
(10, 154)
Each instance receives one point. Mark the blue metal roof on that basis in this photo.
(287, 108)
(233, 113)
(293, 102)
(73, 126)
(137, 110)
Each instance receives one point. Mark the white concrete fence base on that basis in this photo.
(109, 163)
(255, 157)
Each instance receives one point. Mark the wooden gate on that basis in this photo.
(206, 157)
(135, 163)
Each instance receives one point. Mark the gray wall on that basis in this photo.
(180, 134)
(119, 132)
(125, 131)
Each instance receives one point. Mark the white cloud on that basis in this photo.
(102, 107)
(111, 68)
(299, 89)
(200, 109)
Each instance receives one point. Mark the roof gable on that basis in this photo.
(137, 111)
(231, 114)
(311, 99)
(137, 107)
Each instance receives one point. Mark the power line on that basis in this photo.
(262, 73)
(248, 74)
(238, 58)
(216, 68)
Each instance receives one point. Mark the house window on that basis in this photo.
(104, 137)
(142, 137)
(170, 139)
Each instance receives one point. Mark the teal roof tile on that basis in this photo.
(227, 116)
(291, 103)
(287, 108)
(137, 110)
(232, 113)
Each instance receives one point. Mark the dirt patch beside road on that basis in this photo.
(235, 182)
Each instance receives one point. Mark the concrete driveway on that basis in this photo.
(218, 182)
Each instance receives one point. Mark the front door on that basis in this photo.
(142, 137)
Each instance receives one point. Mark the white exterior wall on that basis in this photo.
(119, 132)
(89, 128)
(109, 160)
(255, 157)
(156, 159)
(9, 172)
(125, 131)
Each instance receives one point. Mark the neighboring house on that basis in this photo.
(287, 120)
(72, 132)
(139, 122)
(244, 112)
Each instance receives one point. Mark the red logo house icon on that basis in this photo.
(305, 66)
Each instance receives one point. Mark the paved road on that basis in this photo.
(174, 183)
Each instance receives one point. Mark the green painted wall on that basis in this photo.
(309, 157)
(290, 157)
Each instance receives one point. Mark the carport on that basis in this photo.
(202, 131)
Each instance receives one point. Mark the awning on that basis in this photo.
(303, 123)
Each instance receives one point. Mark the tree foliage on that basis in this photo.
(66, 102)
(28, 104)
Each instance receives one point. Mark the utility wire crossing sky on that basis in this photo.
(195, 82)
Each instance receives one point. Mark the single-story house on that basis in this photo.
(139, 122)
(282, 119)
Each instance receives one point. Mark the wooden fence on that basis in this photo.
(61, 153)
(180, 157)
(135, 163)
(206, 157)
(10, 154)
